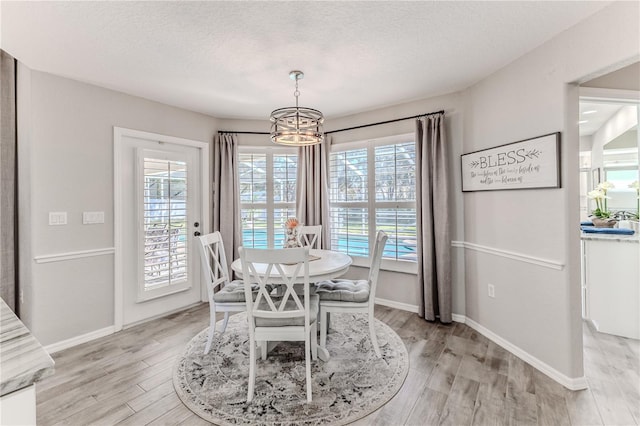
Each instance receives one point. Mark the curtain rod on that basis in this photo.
(385, 122)
(348, 128)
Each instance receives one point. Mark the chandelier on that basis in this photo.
(296, 126)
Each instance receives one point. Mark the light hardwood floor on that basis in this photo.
(456, 377)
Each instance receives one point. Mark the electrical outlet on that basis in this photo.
(57, 218)
(92, 218)
(491, 290)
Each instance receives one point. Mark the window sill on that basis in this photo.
(388, 265)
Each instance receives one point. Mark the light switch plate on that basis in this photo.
(57, 218)
(89, 218)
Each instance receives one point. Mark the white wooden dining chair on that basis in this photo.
(310, 236)
(355, 296)
(284, 317)
(224, 295)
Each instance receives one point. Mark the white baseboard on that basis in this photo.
(162, 315)
(397, 305)
(459, 318)
(74, 341)
(78, 340)
(412, 308)
(577, 383)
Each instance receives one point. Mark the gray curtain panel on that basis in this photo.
(312, 189)
(226, 193)
(432, 217)
(8, 218)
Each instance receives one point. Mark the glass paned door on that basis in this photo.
(160, 204)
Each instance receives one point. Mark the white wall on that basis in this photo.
(620, 123)
(625, 78)
(400, 288)
(66, 139)
(537, 308)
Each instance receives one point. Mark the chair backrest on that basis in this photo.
(214, 262)
(279, 266)
(310, 236)
(376, 259)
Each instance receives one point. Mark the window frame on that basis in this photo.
(146, 292)
(619, 191)
(396, 265)
(270, 205)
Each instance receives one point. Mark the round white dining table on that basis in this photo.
(323, 265)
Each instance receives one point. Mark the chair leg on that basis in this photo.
(374, 338)
(226, 320)
(324, 315)
(212, 331)
(212, 326)
(308, 366)
(314, 341)
(263, 349)
(252, 370)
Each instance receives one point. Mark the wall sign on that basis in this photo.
(531, 163)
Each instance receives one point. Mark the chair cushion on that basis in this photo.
(233, 292)
(344, 290)
(289, 305)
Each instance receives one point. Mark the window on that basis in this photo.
(372, 187)
(623, 197)
(267, 194)
(163, 214)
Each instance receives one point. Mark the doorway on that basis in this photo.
(160, 202)
(609, 146)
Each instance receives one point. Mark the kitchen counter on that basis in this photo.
(23, 361)
(611, 283)
(635, 238)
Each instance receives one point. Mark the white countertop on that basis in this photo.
(611, 237)
(23, 360)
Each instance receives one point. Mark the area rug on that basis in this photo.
(352, 384)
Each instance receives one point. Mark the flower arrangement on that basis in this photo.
(291, 223)
(636, 185)
(599, 195)
(291, 233)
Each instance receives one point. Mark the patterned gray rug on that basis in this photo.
(352, 384)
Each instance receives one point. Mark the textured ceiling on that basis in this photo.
(232, 59)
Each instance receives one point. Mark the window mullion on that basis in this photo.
(270, 209)
(371, 193)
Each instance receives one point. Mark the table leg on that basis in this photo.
(323, 354)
